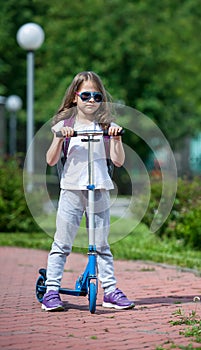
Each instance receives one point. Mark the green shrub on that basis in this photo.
(14, 213)
(184, 221)
(190, 228)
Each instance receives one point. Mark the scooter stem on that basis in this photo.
(91, 188)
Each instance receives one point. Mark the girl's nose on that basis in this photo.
(92, 99)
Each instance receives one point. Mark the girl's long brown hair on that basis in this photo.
(68, 108)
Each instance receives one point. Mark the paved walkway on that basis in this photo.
(159, 292)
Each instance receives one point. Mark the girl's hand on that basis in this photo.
(117, 153)
(67, 131)
(113, 131)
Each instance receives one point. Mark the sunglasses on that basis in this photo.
(87, 95)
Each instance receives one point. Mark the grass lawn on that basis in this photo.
(140, 244)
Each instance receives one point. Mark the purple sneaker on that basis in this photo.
(117, 300)
(52, 301)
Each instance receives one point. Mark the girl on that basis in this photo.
(85, 101)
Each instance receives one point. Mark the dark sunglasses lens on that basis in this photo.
(98, 97)
(85, 96)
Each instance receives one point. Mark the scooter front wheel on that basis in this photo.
(92, 297)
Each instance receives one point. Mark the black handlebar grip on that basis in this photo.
(59, 134)
(119, 133)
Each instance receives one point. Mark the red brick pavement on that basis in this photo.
(159, 291)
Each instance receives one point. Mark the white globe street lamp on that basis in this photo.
(13, 104)
(30, 37)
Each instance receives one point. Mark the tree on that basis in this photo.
(147, 53)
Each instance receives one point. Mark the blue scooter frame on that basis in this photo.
(86, 283)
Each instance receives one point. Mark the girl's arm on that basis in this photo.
(54, 152)
(117, 153)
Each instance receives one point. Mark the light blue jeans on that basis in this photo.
(72, 205)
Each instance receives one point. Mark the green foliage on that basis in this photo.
(15, 215)
(148, 55)
(190, 319)
(184, 221)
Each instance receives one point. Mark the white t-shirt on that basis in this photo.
(75, 175)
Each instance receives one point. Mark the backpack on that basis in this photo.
(60, 164)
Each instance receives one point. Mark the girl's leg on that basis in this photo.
(102, 226)
(106, 269)
(69, 215)
(55, 265)
(113, 297)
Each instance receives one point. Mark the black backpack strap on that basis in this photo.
(60, 164)
(110, 164)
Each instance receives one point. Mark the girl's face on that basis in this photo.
(89, 107)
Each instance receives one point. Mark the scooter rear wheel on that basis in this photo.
(92, 297)
(39, 293)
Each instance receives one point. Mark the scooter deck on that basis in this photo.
(75, 292)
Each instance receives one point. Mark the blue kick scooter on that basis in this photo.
(87, 283)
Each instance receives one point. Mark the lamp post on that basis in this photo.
(2, 126)
(13, 104)
(30, 37)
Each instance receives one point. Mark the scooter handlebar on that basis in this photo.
(90, 133)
